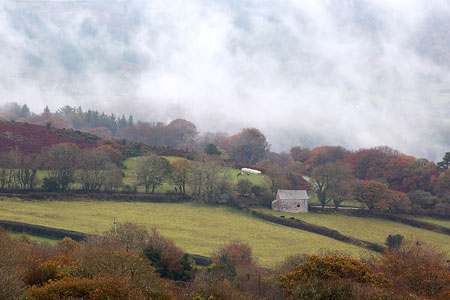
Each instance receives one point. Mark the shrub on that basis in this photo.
(394, 240)
(244, 187)
(416, 268)
(212, 149)
(169, 260)
(83, 288)
(331, 267)
(50, 185)
(236, 252)
(11, 259)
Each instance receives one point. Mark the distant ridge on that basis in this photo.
(30, 138)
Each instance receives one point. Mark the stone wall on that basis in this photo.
(291, 206)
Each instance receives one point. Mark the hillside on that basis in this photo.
(30, 138)
(372, 229)
(198, 229)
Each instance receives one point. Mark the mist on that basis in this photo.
(350, 73)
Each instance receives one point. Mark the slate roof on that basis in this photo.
(293, 194)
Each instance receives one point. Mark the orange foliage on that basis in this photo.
(332, 267)
(92, 289)
(377, 195)
(417, 268)
(114, 154)
(237, 253)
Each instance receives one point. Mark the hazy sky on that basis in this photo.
(344, 72)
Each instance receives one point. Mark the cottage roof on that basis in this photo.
(293, 194)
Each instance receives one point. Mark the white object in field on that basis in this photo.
(250, 171)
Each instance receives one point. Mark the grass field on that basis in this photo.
(197, 229)
(34, 238)
(130, 175)
(370, 229)
(437, 221)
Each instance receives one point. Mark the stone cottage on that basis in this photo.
(293, 201)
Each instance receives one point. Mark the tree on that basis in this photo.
(422, 199)
(326, 154)
(372, 193)
(151, 171)
(131, 237)
(371, 163)
(249, 146)
(169, 260)
(207, 180)
(377, 195)
(276, 176)
(244, 187)
(238, 253)
(93, 168)
(333, 181)
(441, 187)
(416, 268)
(61, 162)
(394, 240)
(419, 175)
(180, 173)
(445, 163)
(300, 154)
(180, 132)
(26, 167)
(212, 149)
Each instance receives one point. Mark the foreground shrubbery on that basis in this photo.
(128, 262)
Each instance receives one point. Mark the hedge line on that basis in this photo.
(42, 230)
(57, 233)
(404, 220)
(76, 195)
(334, 234)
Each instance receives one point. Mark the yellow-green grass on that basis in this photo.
(437, 221)
(258, 179)
(196, 228)
(369, 229)
(131, 166)
(35, 238)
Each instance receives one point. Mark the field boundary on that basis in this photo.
(302, 225)
(414, 223)
(44, 231)
(110, 196)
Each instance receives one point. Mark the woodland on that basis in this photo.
(89, 153)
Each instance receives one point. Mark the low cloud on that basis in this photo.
(351, 73)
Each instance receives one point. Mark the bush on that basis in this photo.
(236, 253)
(394, 240)
(244, 187)
(169, 260)
(416, 268)
(11, 259)
(331, 267)
(212, 149)
(83, 288)
(50, 185)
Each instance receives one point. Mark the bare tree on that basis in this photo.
(151, 171)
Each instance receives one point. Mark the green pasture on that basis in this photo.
(131, 165)
(196, 228)
(34, 238)
(437, 221)
(373, 230)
